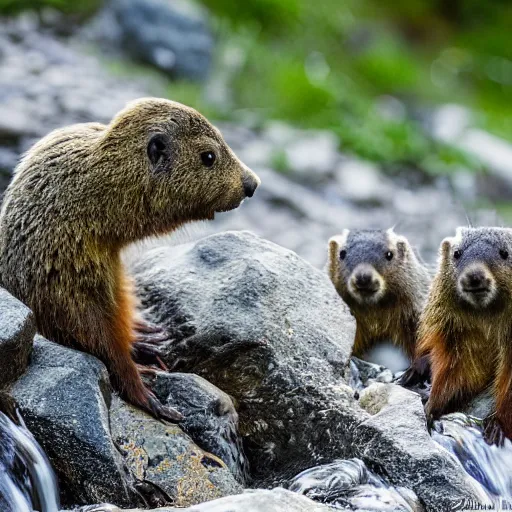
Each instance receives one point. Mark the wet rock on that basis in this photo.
(210, 417)
(173, 37)
(364, 373)
(396, 440)
(17, 329)
(267, 328)
(277, 500)
(63, 399)
(166, 457)
(482, 405)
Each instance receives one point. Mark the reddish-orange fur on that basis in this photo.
(470, 345)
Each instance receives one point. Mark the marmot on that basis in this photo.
(384, 282)
(84, 192)
(466, 326)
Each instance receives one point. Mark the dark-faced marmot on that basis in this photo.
(466, 327)
(380, 277)
(81, 194)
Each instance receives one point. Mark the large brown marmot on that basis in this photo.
(466, 327)
(84, 192)
(380, 277)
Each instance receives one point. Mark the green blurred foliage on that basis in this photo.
(326, 64)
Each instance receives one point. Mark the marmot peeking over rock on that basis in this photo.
(466, 327)
(380, 277)
(84, 192)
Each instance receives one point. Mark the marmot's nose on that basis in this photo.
(250, 182)
(476, 280)
(364, 281)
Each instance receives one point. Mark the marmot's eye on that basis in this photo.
(389, 255)
(457, 254)
(343, 254)
(504, 254)
(208, 158)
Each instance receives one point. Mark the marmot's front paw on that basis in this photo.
(493, 433)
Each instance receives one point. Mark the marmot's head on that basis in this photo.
(476, 266)
(176, 161)
(370, 267)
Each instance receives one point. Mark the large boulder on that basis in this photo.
(17, 329)
(267, 328)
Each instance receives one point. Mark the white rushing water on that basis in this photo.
(349, 484)
(490, 466)
(27, 481)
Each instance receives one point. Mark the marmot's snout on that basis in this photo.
(365, 283)
(477, 285)
(250, 182)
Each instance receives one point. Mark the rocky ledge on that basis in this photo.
(260, 354)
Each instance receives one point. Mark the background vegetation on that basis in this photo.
(343, 66)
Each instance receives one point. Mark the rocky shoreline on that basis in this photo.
(262, 325)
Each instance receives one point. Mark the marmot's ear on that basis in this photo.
(158, 149)
(445, 249)
(336, 242)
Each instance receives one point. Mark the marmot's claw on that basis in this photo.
(493, 433)
(148, 355)
(145, 327)
(163, 412)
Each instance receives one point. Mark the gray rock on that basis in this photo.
(63, 398)
(267, 328)
(313, 154)
(277, 500)
(166, 457)
(363, 373)
(363, 182)
(482, 405)
(395, 439)
(17, 329)
(210, 417)
(173, 37)
(8, 161)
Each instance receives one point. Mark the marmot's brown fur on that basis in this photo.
(84, 192)
(466, 327)
(380, 277)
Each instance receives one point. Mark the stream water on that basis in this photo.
(27, 481)
(489, 466)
